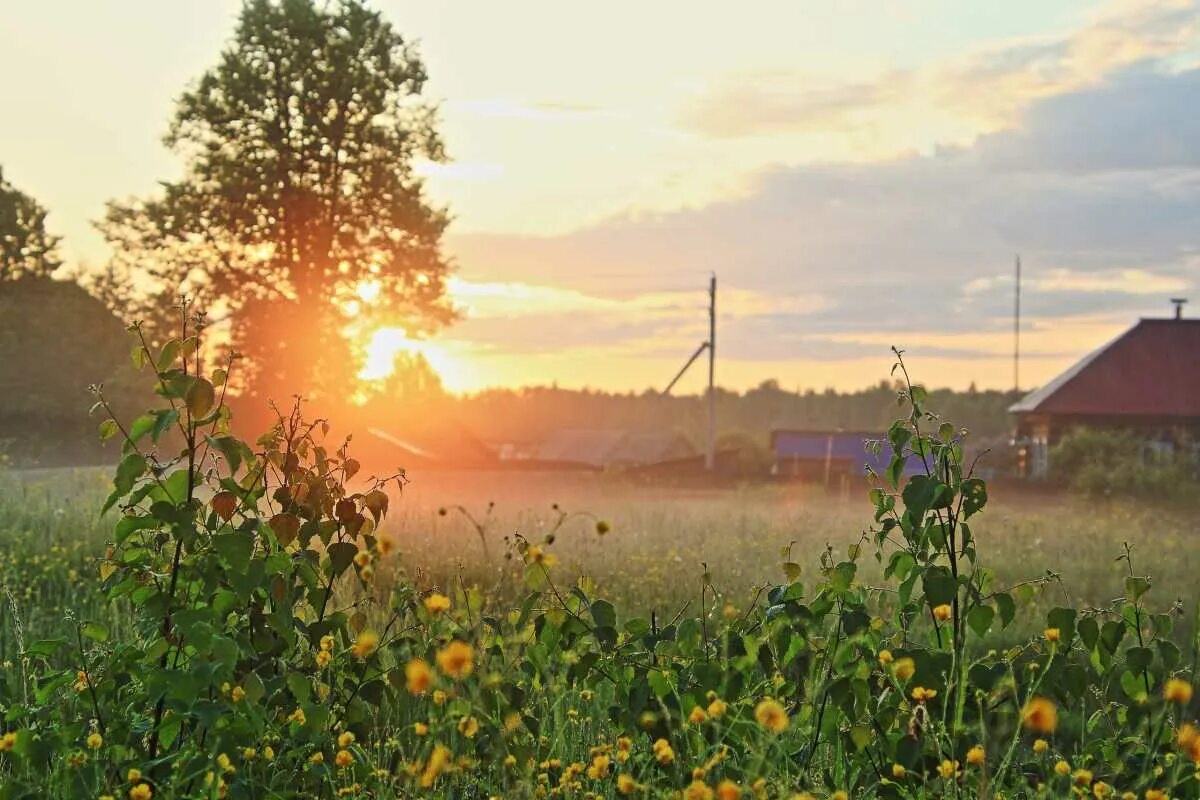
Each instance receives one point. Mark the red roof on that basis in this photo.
(1151, 370)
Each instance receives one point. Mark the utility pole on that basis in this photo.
(710, 458)
(710, 455)
(1017, 329)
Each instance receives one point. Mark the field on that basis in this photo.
(532, 635)
(651, 559)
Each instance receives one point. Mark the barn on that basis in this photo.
(823, 456)
(1147, 381)
(618, 447)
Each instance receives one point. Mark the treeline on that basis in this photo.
(412, 406)
(529, 414)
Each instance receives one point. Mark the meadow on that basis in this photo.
(269, 620)
(651, 559)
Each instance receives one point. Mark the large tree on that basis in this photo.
(25, 246)
(300, 216)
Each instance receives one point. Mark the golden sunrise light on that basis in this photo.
(803, 155)
(384, 345)
(676, 399)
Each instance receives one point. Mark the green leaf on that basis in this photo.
(1135, 587)
(200, 398)
(299, 685)
(163, 420)
(168, 731)
(1111, 634)
(169, 354)
(660, 684)
(980, 619)
(131, 468)
(1139, 659)
(939, 586)
(235, 548)
(45, 647)
(341, 555)
(233, 449)
(604, 614)
(1064, 620)
(1006, 607)
(108, 429)
(974, 496)
(1089, 632)
(254, 688)
(895, 469)
(139, 428)
(128, 525)
(842, 576)
(95, 631)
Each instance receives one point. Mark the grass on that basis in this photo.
(650, 561)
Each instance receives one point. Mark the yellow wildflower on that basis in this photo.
(437, 603)
(772, 716)
(1178, 691)
(417, 676)
(1041, 715)
(921, 694)
(365, 644)
(439, 762)
(456, 659)
(728, 790)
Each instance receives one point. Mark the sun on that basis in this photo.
(385, 343)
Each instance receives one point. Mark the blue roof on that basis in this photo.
(838, 446)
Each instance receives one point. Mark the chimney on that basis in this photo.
(1178, 301)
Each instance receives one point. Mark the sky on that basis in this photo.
(858, 175)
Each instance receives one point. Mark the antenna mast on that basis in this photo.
(710, 458)
(1017, 329)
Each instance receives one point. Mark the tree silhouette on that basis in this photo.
(299, 197)
(25, 246)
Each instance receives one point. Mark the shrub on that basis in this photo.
(1108, 463)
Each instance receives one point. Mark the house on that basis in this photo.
(429, 445)
(816, 455)
(616, 447)
(1147, 381)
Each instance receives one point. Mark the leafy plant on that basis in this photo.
(264, 657)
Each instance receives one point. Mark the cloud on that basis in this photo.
(1137, 120)
(835, 260)
(771, 102)
(1122, 281)
(987, 89)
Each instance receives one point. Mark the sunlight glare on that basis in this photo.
(386, 343)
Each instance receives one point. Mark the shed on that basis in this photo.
(818, 455)
(616, 447)
(1147, 381)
